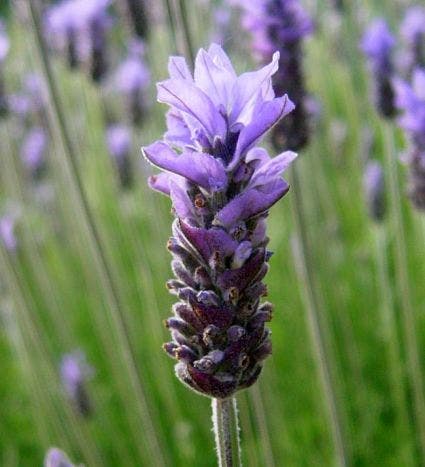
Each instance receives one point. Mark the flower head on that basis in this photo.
(377, 44)
(413, 26)
(57, 458)
(74, 372)
(7, 232)
(33, 151)
(373, 182)
(118, 138)
(4, 43)
(221, 187)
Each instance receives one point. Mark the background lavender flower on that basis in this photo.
(57, 458)
(4, 50)
(373, 184)
(79, 27)
(7, 232)
(282, 25)
(75, 372)
(221, 187)
(413, 32)
(118, 138)
(132, 79)
(410, 99)
(138, 14)
(33, 152)
(377, 45)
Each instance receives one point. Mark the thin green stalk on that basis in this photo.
(305, 269)
(402, 276)
(226, 431)
(184, 19)
(389, 329)
(99, 255)
(171, 23)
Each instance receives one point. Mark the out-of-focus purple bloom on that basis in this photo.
(4, 43)
(30, 103)
(377, 44)
(221, 187)
(410, 99)
(33, 151)
(373, 183)
(7, 232)
(132, 79)
(80, 27)
(57, 458)
(413, 32)
(138, 14)
(118, 138)
(75, 372)
(282, 25)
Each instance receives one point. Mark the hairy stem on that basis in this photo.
(226, 432)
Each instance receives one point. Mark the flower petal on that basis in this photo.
(198, 167)
(182, 204)
(248, 86)
(188, 98)
(251, 203)
(272, 169)
(221, 59)
(178, 69)
(270, 113)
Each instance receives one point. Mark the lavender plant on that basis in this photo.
(118, 138)
(33, 152)
(377, 44)
(57, 458)
(413, 32)
(282, 25)
(410, 99)
(373, 183)
(221, 186)
(74, 372)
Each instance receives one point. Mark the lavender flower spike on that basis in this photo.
(410, 99)
(75, 372)
(222, 187)
(57, 458)
(118, 138)
(377, 44)
(4, 50)
(373, 182)
(282, 25)
(413, 32)
(7, 232)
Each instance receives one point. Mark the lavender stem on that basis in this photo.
(226, 431)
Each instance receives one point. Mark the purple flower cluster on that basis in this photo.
(7, 232)
(57, 458)
(413, 32)
(118, 138)
(79, 27)
(75, 372)
(137, 12)
(221, 186)
(282, 25)
(373, 183)
(33, 152)
(410, 99)
(377, 44)
(132, 79)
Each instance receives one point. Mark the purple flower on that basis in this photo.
(80, 27)
(137, 11)
(221, 186)
(373, 182)
(4, 43)
(413, 32)
(33, 151)
(57, 458)
(132, 78)
(75, 372)
(7, 232)
(377, 44)
(282, 25)
(118, 138)
(410, 99)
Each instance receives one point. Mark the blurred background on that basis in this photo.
(83, 259)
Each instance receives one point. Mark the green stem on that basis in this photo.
(305, 268)
(407, 316)
(226, 431)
